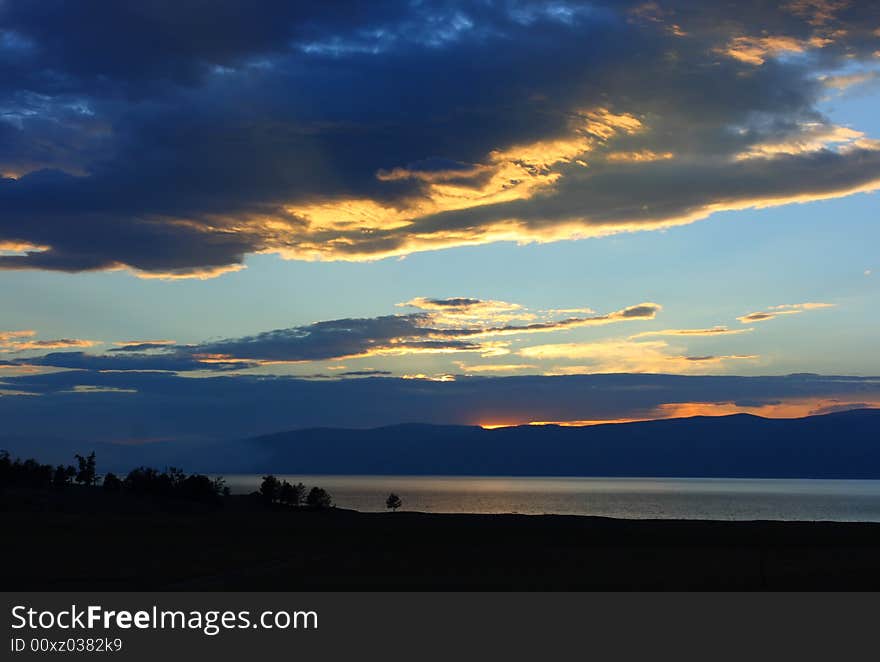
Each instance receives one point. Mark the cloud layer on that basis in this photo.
(113, 406)
(442, 326)
(364, 131)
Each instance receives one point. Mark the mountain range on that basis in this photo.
(837, 445)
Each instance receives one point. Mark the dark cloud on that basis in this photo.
(169, 406)
(843, 406)
(414, 333)
(141, 346)
(365, 373)
(176, 362)
(177, 138)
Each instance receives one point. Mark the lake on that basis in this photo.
(662, 498)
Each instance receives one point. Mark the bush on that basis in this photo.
(318, 498)
(112, 483)
(292, 495)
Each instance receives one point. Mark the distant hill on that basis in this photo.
(838, 445)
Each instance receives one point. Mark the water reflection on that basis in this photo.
(688, 498)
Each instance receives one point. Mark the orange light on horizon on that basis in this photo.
(790, 409)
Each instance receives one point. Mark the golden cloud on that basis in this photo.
(817, 12)
(714, 331)
(455, 310)
(611, 356)
(10, 343)
(642, 156)
(7, 336)
(756, 50)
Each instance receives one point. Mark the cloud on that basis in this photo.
(443, 326)
(60, 343)
(454, 310)
(22, 341)
(494, 367)
(845, 81)
(809, 137)
(356, 133)
(836, 406)
(175, 407)
(784, 309)
(426, 332)
(365, 373)
(714, 331)
(141, 345)
(8, 337)
(619, 356)
(177, 362)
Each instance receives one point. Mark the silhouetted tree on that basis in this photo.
(198, 487)
(393, 502)
(63, 475)
(176, 477)
(318, 498)
(220, 486)
(5, 469)
(27, 473)
(31, 473)
(86, 474)
(112, 483)
(292, 495)
(270, 488)
(146, 480)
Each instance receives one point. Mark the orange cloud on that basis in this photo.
(756, 50)
(817, 12)
(789, 408)
(7, 336)
(9, 342)
(205, 273)
(19, 248)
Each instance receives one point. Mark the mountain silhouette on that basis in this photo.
(837, 445)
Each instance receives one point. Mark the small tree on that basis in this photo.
(86, 474)
(292, 495)
(62, 475)
(270, 488)
(393, 502)
(318, 498)
(176, 477)
(112, 483)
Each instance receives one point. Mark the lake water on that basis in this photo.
(664, 498)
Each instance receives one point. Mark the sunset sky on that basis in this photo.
(368, 213)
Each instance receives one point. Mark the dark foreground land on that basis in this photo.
(54, 542)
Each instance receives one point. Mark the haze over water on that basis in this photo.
(632, 498)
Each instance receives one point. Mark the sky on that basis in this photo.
(369, 213)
